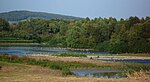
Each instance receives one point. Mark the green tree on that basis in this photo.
(4, 25)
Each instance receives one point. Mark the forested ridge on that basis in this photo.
(23, 15)
(130, 35)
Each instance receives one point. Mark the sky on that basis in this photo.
(82, 8)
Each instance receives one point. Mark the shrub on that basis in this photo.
(71, 55)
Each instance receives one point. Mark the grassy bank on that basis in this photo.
(65, 67)
(49, 68)
(15, 72)
(123, 54)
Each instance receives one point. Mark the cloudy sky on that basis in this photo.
(82, 8)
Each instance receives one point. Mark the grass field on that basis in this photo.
(14, 72)
(24, 72)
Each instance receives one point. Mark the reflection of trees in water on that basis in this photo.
(105, 75)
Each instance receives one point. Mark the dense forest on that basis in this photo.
(15, 16)
(130, 35)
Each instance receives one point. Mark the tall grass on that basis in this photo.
(130, 69)
(136, 67)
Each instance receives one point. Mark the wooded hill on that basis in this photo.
(22, 15)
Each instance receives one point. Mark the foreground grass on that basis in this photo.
(14, 72)
(64, 66)
(21, 72)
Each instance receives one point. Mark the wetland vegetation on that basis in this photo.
(66, 66)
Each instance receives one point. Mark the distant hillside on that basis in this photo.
(22, 15)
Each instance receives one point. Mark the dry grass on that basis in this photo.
(11, 72)
(72, 79)
(139, 75)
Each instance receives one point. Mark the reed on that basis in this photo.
(135, 67)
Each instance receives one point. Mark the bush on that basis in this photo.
(71, 55)
(67, 72)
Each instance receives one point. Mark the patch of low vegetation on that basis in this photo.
(139, 75)
(65, 67)
(70, 55)
(31, 61)
(136, 67)
(137, 55)
(130, 69)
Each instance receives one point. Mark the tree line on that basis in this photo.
(130, 35)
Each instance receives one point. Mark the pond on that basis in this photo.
(99, 73)
(144, 61)
(41, 50)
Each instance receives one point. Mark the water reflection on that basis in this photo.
(41, 50)
(99, 73)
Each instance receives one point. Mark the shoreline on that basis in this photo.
(119, 57)
(42, 45)
(95, 57)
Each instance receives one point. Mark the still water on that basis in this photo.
(13, 50)
(41, 50)
(98, 73)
